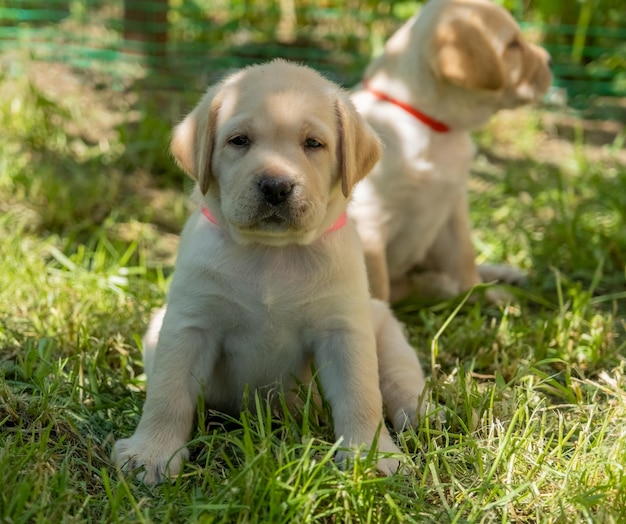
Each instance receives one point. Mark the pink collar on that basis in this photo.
(338, 224)
(435, 125)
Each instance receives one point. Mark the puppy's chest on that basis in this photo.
(277, 286)
(276, 303)
(257, 296)
(444, 159)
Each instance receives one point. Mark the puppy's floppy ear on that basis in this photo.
(359, 147)
(464, 56)
(193, 139)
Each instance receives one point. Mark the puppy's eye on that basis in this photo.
(312, 143)
(515, 43)
(239, 141)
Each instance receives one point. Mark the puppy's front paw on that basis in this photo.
(388, 465)
(158, 462)
(405, 418)
(410, 415)
(385, 465)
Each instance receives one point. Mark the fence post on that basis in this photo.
(145, 27)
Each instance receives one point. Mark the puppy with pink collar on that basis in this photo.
(270, 278)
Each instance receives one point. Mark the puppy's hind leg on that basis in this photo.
(400, 373)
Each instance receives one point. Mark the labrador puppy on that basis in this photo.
(441, 75)
(270, 276)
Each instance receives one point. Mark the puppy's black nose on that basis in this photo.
(275, 190)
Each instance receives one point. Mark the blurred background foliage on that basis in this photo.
(188, 43)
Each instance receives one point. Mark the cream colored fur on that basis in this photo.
(257, 298)
(459, 62)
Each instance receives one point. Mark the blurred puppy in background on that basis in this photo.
(442, 74)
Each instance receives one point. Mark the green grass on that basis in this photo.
(532, 395)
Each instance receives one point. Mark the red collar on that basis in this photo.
(435, 125)
(338, 224)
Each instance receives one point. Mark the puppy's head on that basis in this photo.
(275, 150)
(460, 61)
(477, 45)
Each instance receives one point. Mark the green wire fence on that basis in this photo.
(188, 43)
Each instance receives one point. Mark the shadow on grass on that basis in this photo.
(573, 221)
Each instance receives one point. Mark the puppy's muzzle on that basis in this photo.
(275, 190)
